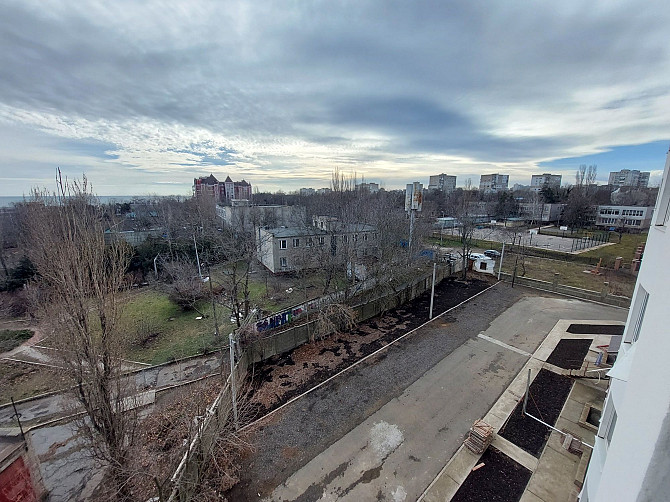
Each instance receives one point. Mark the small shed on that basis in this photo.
(482, 263)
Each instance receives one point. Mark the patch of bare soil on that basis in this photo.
(282, 377)
(21, 380)
(547, 395)
(596, 329)
(570, 353)
(500, 479)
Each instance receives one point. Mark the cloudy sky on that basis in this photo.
(142, 98)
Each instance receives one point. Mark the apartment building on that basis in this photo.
(627, 217)
(629, 178)
(539, 212)
(368, 187)
(537, 181)
(630, 460)
(442, 182)
(221, 191)
(493, 182)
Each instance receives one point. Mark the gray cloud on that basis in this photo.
(260, 88)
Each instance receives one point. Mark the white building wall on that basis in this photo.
(635, 465)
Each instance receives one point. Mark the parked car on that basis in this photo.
(492, 253)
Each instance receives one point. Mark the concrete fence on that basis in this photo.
(218, 419)
(602, 296)
(283, 341)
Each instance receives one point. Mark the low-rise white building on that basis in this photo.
(631, 459)
(624, 217)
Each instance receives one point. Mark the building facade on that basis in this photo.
(221, 191)
(624, 217)
(631, 459)
(493, 182)
(629, 178)
(442, 182)
(247, 218)
(291, 249)
(368, 187)
(540, 212)
(537, 181)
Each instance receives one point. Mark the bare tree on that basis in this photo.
(84, 278)
(460, 203)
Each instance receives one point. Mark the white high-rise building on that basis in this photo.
(442, 182)
(629, 178)
(631, 459)
(537, 181)
(493, 182)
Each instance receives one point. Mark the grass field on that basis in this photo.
(11, 338)
(572, 274)
(20, 380)
(626, 248)
(158, 330)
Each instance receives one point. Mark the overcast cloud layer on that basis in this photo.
(144, 98)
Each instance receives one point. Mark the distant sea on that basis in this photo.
(7, 201)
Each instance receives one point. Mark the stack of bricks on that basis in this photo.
(479, 437)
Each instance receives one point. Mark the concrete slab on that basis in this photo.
(531, 497)
(461, 464)
(515, 453)
(443, 489)
(587, 394)
(553, 480)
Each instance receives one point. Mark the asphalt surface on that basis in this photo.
(385, 429)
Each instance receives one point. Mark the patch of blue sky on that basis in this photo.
(90, 148)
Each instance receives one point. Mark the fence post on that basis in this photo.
(555, 283)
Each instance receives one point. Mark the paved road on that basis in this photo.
(398, 444)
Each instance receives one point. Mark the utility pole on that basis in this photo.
(197, 257)
(432, 293)
(502, 255)
(233, 391)
(211, 294)
(413, 203)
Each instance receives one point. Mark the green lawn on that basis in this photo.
(11, 338)
(158, 330)
(626, 248)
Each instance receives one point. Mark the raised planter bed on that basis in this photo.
(570, 353)
(596, 329)
(500, 479)
(548, 393)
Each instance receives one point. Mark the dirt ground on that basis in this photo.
(287, 375)
(547, 395)
(500, 479)
(21, 380)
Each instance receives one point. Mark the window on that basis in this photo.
(282, 244)
(296, 243)
(345, 238)
(310, 242)
(365, 237)
(282, 262)
(638, 314)
(663, 201)
(322, 241)
(610, 427)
